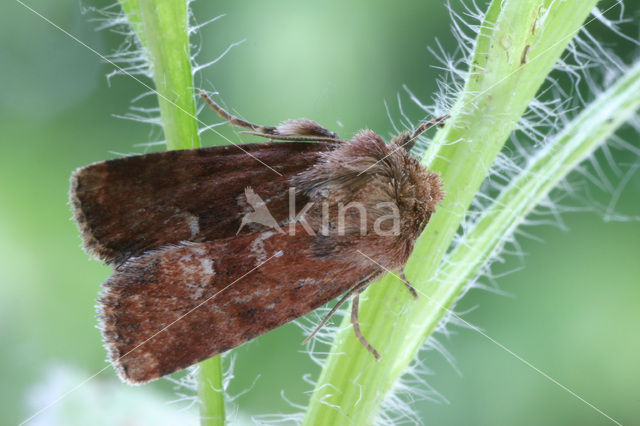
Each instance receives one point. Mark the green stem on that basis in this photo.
(162, 29)
(502, 83)
(568, 149)
(211, 392)
(167, 41)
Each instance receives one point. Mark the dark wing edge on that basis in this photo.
(90, 244)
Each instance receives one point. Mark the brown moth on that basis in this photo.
(210, 250)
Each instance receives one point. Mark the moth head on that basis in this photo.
(419, 191)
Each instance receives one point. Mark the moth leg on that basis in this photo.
(304, 127)
(270, 130)
(288, 129)
(359, 286)
(426, 125)
(356, 325)
(406, 282)
(408, 140)
(332, 311)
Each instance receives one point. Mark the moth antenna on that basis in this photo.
(408, 140)
(411, 289)
(232, 119)
(356, 325)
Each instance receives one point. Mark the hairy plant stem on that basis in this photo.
(162, 29)
(518, 45)
(576, 142)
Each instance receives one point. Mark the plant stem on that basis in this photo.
(568, 149)
(162, 29)
(502, 82)
(167, 43)
(211, 392)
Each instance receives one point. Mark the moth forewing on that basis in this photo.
(173, 307)
(127, 206)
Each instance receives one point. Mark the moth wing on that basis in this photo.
(179, 305)
(129, 205)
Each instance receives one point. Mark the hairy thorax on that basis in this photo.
(368, 196)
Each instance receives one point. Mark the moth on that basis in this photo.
(211, 249)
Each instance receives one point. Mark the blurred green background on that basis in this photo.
(575, 306)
